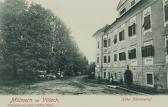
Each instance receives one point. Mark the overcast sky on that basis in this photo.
(84, 18)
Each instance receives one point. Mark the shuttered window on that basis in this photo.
(166, 12)
(147, 22)
(109, 59)
(105, 59)
(132, 30)
(132, 54)
(105, 43)
(149, 79)
(115, 39)
(122, 56)
(148, 51)
(104, 74)
(109, 42)
(97, 59)
(115, 57)
(121, 36)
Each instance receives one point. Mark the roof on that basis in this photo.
(129, 11)
(102, 29)
(121, 3)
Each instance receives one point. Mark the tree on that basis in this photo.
(35, 39)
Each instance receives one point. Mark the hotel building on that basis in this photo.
(138, 38)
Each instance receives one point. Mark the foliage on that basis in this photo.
(34, 39)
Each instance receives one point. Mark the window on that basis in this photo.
(147, 22)
(108, 59)
(132, 2)
(132, 30)
(148, 51)
(109, 42)
(104, 74)
(122, 56)
(132, 54)
(115, 75)
(149, 78)
(97, 59)
(115, 39)
(105, 43)
(105, 59)
(98, 45)
(121, 36)
(166, 10)
(115, 57)
(122, 11)
(147, 19)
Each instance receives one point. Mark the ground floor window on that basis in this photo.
(115, 75)
(149, 79)
(104, 74)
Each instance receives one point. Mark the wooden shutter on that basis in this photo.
(129, 31)
(166, 12)
(134, 29)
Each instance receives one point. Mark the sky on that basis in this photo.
(83, 18)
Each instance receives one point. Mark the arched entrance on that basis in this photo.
(128, 77)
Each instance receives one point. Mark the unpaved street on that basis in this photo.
(71, 86)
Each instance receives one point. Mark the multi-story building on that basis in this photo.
(138, 38)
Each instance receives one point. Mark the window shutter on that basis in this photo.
(166, 12)
(120, 56)
(153, 51)
(147, 23)
(143, 51)
(134, 29)
(129, 31)
(124, 56)
(120, 36)
(123, 35)
(129, 54)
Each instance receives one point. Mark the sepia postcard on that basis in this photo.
(83, 53)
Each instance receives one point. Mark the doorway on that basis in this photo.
(128, 77)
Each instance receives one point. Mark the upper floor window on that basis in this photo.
(115, 39)
(132, 30)
(148, 51)
(105, 59)
(132, 54)
(121, 36)
(97, 59)
(147, 19)
(108, 59)
(98, 45)
(166, 10)
(122, 11)
(132, 2)
(122, 56)
(109, 42)
(167, 46)
(147, 22)
(105, 43)
(115, 57)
